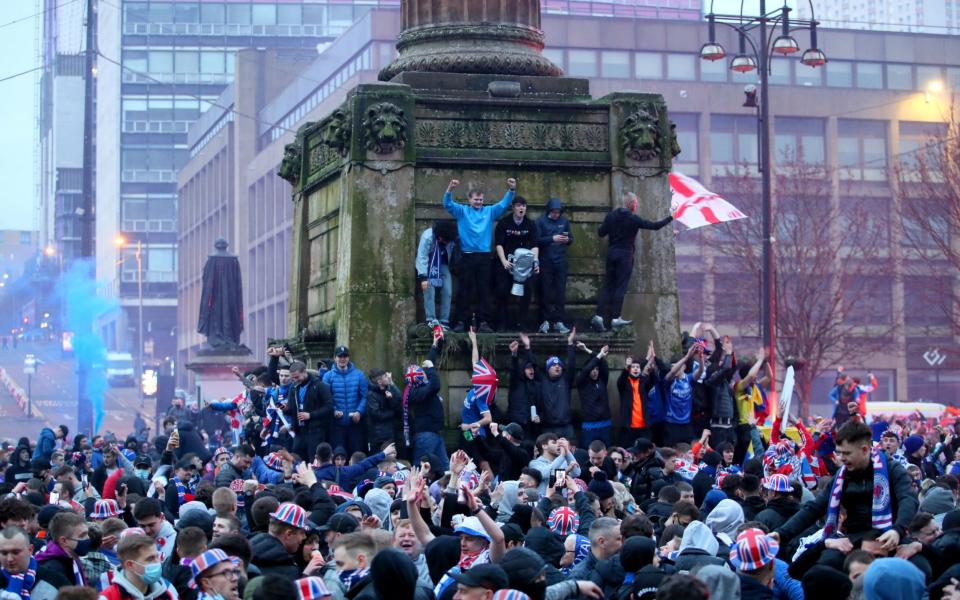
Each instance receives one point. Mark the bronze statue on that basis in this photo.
(221, 301)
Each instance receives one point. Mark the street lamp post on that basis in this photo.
(121, 242)
(758, 58)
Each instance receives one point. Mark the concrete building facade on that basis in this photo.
(915, 16)
(857, 117)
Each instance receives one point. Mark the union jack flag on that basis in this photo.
(484, 382)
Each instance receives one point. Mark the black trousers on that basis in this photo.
(553, 291)
(473, 286)
(616, 280)
(503, 280)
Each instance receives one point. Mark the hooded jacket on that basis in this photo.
(122, 589)
(778, 511)
(720, 580)
(270, 557)
(594, 402)
(523, 392)
(553, 402)
(893, 579)
(552, 252)
(383, 414)
(697, 547)
(509, 500)
(55, 569)
(724, 520)
(349, 390)
(18, 470)
(46, 442)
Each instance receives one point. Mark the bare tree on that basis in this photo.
(927, 178)
(830, 297)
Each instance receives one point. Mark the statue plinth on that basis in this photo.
(213, 375)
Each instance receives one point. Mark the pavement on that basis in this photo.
(53, 391)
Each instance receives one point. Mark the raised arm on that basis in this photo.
(456, 210)
(474, 351)
(497, 546)
(414, 490)
(678, 366)
(651, 225)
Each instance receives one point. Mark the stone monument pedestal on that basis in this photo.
(213, 376)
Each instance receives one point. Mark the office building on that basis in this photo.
(915, 16)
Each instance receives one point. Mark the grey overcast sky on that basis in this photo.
(18, 49)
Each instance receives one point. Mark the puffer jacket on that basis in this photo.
(271, 558)
(349, 389)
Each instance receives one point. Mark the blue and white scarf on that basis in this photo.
(22, 583)
(351, 577)
(182, 489)
(882, 511)
(433, 267)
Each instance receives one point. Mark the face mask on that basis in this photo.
(83, 547)
(143, 474)
(151, 573)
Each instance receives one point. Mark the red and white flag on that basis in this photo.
(695, 206)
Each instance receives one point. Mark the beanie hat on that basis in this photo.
(711, 458)
(554, 360)
(937, 501)
(600, 486)
(563, 521)
(912, 444)
(951, 520)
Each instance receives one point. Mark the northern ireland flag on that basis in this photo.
(695, 206)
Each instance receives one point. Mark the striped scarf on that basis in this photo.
(882, 512)
(433, 269)
(182, 489)
(22, 583)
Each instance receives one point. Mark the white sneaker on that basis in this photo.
(597, 323)
(618, 322)
(544, 327)
(559, 327)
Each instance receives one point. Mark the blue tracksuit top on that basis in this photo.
(349, 390)
(475, 225)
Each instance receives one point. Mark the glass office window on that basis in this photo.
(161, 12)
(839, 74)
(264, 14)
(780, 71)
(136, 60)
(862, 142)
(648, 65)
(341, 17)
(314, 14)
(807, 76)
(211, 62)
(926, 75)
(213, 13)
(798, 139)
(687, 136)
(583, 63)
(161, 62)
(289, 14)
(615, 64)
(681, 67)
(733, 139)
(713, 70)
(238, 14)
(187, 62)
(899, 76)
(136, 12)
(554, 55)
(953, 78)
(186, 12)
(869, 76)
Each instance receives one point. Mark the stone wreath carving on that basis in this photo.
(640, 135)
(290, 165)
(336, 132)
(385, 128)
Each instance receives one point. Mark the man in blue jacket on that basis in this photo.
(47, 441)
(348, 386)
(475, 224)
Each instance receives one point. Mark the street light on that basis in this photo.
(121, 242)
(758, 58)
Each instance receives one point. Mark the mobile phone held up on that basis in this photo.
(560, 478)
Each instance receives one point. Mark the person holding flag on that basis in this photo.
(475, 415)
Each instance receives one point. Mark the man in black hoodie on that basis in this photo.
(427, 421)
(523, 391)
(309, 408)
(621, 224)
(553, 402)
(553, 237)
(591, 383)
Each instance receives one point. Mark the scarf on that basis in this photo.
(275, 418)
(406, 414)
(235, 410)
(433, 268)
(351, 577)
(22, 583)
(882, 512)
(182, 489)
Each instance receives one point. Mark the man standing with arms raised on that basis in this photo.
(475, 224)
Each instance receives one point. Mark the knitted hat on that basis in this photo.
(554, 360)
(912, 444)
(752, 550)
(104, 509)
(600, 486)
(207, 560)
(778, 483)
(712, 458)
(937, 501)
(510, 595)
(312, 588)
(563, 521)
(291, 514)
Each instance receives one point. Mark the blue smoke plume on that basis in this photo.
(83, 306)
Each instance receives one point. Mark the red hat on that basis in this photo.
(753, 549)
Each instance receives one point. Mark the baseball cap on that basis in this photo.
(341, 523)
(142, 460)
(753, 549)
(341, 351)
(522, 565)
(515, 431)
(488, 576)
(472, 526)
(185, 463)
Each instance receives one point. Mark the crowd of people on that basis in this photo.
(335, 483)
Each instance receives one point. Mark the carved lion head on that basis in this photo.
(640, 135)
(385, 128)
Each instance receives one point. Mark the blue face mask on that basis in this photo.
(143, 474)
(151, 573)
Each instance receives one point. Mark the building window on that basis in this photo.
(648, 65)
(798, 139)
(238, 14)
(933, 231)
(713, 70)
(186, 12)
(160, 62)
(187, 62)
(869, 217)
(953, 77)
(919, 143)
(839, 74)
(264, 14)
(869, 76)
(808, 76)
(926, 75)
(136, 12)
(554, 55)
(212, 62)
(615, 64)
(314, 14)
(583, 63)
(933, 385)
(681, 67)
(687, 136)
(741, 298)
(161, 12)
(862, 148)
(923, 300)
(148, 214)
(733, 139)
(899, 77)
(780, 71)
(289, 14)
(25, 238)
(873, 304)
(213, 13)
